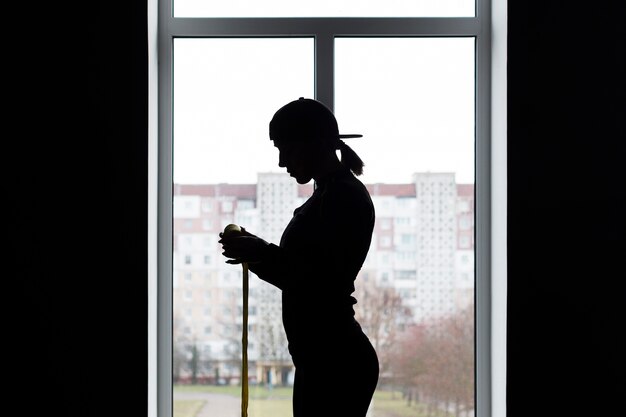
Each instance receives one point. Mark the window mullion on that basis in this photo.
(415, 26)
(483, 201)
(325, 68)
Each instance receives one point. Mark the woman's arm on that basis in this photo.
(335, 250)
(264, 259)
(333, 253)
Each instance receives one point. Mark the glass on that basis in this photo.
(324, 8)
(225, 93)
(413, 101)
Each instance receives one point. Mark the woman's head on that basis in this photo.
(306, 133)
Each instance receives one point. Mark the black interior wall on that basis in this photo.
(76, 170)
(75, 155)
(566, 190)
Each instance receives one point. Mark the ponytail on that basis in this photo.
(350, 159)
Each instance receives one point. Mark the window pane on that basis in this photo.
(225, 93)
(417, 281)
(413, 100)
(323, 8)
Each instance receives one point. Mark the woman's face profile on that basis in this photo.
(298, 158)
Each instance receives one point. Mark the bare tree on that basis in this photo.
(435, 362)
(270, 334)
(179, 355)
(234, 352)
(406, 361)
(382, 315)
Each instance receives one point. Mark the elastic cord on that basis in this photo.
(244, 345)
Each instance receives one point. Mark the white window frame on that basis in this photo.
(489, 29)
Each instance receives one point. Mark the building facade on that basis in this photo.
(422, 247)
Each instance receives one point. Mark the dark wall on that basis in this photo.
(75, 152)
(76, 158)
(566, 256)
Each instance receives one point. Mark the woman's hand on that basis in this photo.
(242, 247)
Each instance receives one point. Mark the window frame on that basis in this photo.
(490, 165)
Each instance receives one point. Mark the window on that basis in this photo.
(331, 55)
(402, 220)
(245, 204)
(206, 205)
(408, 239)
(227, 206)
(408, 275)
(324, 8)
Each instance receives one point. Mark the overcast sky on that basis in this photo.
(411, 98)
(323, 8)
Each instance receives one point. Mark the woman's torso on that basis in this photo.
(315, 311)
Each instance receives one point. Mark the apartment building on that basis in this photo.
(422, 246)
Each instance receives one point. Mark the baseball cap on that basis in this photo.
(306, 119)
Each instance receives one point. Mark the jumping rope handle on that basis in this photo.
(231, 229)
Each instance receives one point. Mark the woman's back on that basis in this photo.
(330, 234)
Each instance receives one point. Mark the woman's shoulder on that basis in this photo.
(348, 189)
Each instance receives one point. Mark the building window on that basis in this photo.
(405, 275)
(340, 58)
(400, 221)
(227, 206)
(408, 239)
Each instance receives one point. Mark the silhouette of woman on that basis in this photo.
(320, 253)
